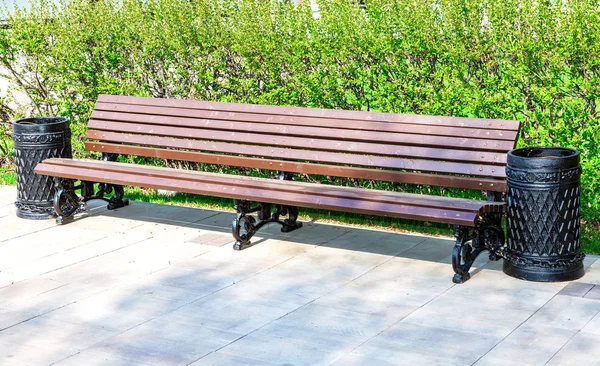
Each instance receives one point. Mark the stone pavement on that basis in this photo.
(160, 285)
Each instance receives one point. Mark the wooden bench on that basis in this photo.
(423, 150)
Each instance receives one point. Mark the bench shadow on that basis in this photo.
(313, 233)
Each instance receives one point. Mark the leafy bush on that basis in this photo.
(533, 60)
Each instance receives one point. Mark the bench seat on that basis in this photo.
(447, 210)
(321, 144)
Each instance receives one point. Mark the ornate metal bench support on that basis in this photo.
(67, 203)
(488, 235)
(244, 225)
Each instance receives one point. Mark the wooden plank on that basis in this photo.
(308, 132)
(262, 195)
(458, 204)
(331, 144)
(216, 119)
(303, 155)
(314, 112)
(304, 168)
(409, 139)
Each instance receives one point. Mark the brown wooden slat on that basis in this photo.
(458, 204)
(304, 168)
(410, 139)
(303, 155)
(262, 195)
(207, 118)
(312, 132)
(288, 139)
(314, 112)
(296, 142)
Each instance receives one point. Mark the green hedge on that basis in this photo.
(532, 60)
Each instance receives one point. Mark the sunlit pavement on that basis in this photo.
(160, 285)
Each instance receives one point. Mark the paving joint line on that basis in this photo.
(517, 327)
(298, 308)
(574, 335)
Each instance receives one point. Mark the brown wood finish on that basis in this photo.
(288, 186)
(400, 138)
(374, 146)
(207, 118)
(260, 194)
(303, 155)
(315, 112)
(303, 168)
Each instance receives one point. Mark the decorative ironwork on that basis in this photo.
(543, 222)
(67, 203)
(37, 139)
(244, 225)
(470, 242)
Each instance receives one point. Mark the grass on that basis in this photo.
(590, 238)
(7, 176)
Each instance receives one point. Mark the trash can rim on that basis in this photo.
(543, 157)
(41, 120)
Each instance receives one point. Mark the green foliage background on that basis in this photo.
(533, 60)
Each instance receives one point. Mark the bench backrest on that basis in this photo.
(439, 151)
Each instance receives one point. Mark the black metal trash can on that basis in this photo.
(37, 139)
(543, 215)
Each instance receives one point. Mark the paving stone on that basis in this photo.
(387, 290)
(315, 233)
(91, 358)
(581, 350)
(69, 257)
(594, 293)
(162, 214)
(494, 289)
(356, 360)
(27, 289)
(412, 344)
(304, 278)
(311, 296)
(431, 250)
(222, 359)
(14, 227)
(213, 239)
(164, 342)
(230, 314)
(593, 326)
(530, 345)
(376, 298)
(577, 289)
(566, 312)
(115, 309)
(490, 361)
(475, 316)
(282, 351)
(20, 354)
(22, 309)
(51, 333)
(592, 274)
(326, 328)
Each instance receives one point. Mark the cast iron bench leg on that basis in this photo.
(244, 225)
(470, 242)
(67, 203)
